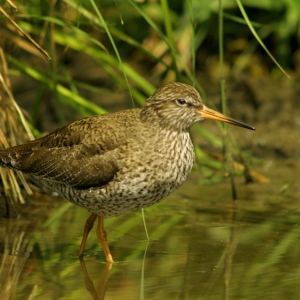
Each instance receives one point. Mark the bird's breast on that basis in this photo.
(179, 157)
(164, 166)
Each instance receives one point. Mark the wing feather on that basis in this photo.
(82, 154)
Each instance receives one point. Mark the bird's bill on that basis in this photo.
(208, 113)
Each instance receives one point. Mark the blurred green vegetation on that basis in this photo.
(156, 36)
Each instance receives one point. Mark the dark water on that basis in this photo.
(202, 246)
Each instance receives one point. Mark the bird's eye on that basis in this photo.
(181, 102)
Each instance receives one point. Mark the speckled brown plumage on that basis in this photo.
(119, 162)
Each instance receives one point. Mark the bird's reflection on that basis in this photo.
(98, 293)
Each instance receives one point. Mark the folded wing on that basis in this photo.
(82, 154)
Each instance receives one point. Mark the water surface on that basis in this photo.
(202, 246)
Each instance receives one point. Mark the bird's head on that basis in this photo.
(178, 106)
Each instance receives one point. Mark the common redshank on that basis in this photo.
(119, 162)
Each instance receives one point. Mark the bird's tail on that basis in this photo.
(5, 159)
(16, 157)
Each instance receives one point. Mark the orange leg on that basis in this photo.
(89, 223)
(102, 239)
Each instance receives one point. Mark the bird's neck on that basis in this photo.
(152, 118)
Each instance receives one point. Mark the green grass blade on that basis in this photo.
(193, 46)
(257, 36)
(169, 32)
(114, 46)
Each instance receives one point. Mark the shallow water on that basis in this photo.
(202, 246)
